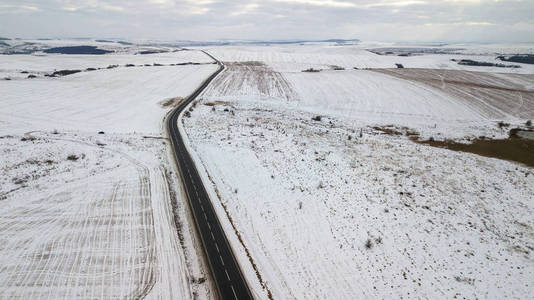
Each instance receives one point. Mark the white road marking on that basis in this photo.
(217, 248)
(222, 261)
(227, 276)
(235, 295)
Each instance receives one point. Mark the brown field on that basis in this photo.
(497, 95)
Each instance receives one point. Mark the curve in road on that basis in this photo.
(225, 270)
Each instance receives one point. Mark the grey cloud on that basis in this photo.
(479, 20)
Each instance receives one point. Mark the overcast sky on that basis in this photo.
(395, 20)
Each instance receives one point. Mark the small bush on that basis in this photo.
(529, 123)
(187, 114)
(368, 244)
(317, 118)
(28, 138)
(31, 76)
(399, 66)
(502, 124)
(64, 73)
(73, 157)
(199, 280)
(18, 180)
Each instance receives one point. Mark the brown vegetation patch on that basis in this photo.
(172, 102)
(311, 70)
(518, 147)
(395, 130)
(215, 103)
(514, 148)
(247, 63)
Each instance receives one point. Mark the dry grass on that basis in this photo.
(215, 103)
(172, 102)
(513, 148)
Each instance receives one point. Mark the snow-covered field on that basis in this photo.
(87, 211)
(117, 100)
(335, 209)
(300, 57)
(315, 208)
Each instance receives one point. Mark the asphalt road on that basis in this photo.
(225, 271)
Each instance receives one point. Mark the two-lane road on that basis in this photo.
(225, 270)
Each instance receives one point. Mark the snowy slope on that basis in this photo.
(88, 215)
(117, 100)
(307, 201)
(334, 209)
(300, 57)
(100, 226)
(12, 65)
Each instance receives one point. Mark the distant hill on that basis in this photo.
(186, 43)
(4, 39)
(520, 58)
(77, 50)
(289, 42)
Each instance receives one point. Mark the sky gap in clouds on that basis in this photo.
(409, 20)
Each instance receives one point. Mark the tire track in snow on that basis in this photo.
(103, 236)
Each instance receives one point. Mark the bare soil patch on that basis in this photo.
(517, 147)
(172, 102)
(513, 148)
(215, 103)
